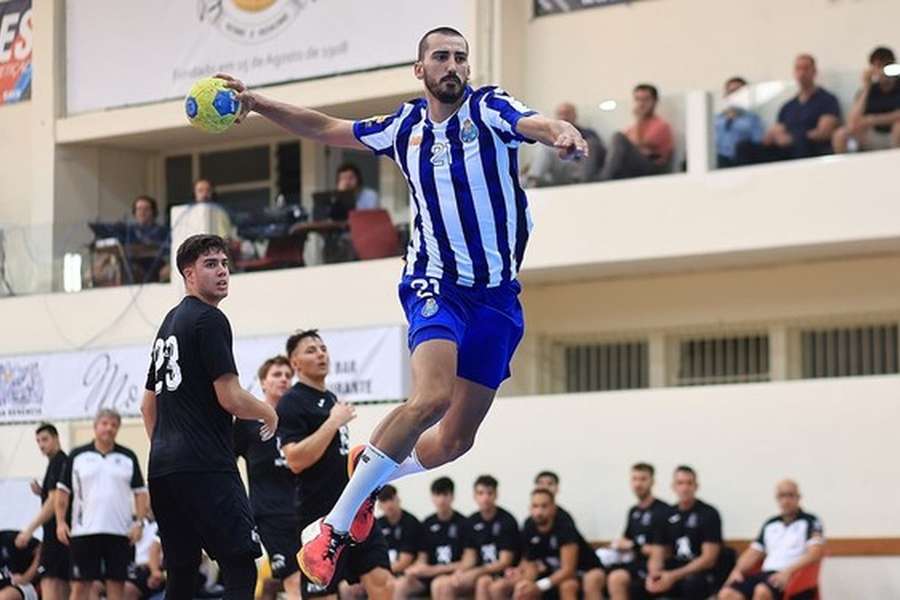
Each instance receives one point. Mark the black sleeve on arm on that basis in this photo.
(65, 476)
(712, 527)
(566, 533)
(509, 535)
(215, 344)
(55, 472)
(292, 424)
(137, 478)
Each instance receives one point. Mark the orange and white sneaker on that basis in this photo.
(364, 520)
(320, 552)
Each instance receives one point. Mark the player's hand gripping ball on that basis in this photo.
(211, 106)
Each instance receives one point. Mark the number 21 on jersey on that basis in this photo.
(165, 363)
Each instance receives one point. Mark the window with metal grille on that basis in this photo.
(605, 367)
(716, 360)
(849, 351)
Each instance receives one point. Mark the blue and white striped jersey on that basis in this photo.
(470, 218)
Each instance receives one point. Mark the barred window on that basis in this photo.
(717, 360)
(849, 351)
(606, 366)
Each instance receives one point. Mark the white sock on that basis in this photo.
(410, 466)
(373, 468)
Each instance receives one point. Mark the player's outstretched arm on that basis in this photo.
(304, 122)
(561, 135)
(148, 411)
(242, 404)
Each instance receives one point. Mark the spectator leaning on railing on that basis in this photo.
(874, 119)
(646, 147)
(549, 169)
(735, 124)
(805, 123)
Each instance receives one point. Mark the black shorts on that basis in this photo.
(208, 511)
(280, 537)
(750, 582)
(100, 557)
(356, 561)
(697, 586)
(54, 560)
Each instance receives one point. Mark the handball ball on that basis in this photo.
(211, 106)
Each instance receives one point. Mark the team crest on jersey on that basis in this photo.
(468, 133)
(430, 309)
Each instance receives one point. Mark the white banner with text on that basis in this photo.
(135, 52)
(366, 365)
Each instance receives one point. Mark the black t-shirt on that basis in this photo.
(489, 538)
(301, 412)
(801, 117)
(15, 561)
(647, 526)
(272, 487)
(688, 530)
(55, 467)
(193, 431)
(443, 541)
(543, 547)
(880, 102)
(404, 536)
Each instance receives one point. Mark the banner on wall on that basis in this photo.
(134, 52)
(15, 51)
(366, 365)
(542, 8)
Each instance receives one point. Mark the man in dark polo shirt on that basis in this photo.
(54, 561)
(315, 441)
(874, 119)
(805, 124)
(684, 566)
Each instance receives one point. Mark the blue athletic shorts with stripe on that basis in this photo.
(486, 323)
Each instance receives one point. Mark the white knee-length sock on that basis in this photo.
(373, 469)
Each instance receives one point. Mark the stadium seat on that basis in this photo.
(373, 234)
(281, 253)
(804, 584)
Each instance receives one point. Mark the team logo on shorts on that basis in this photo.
(468, 133)
(430, 309)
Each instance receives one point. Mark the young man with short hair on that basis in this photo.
(443, 541)
(491, 547)
(101, 478)
(458, 149)
(874, 119)
(315, 442)
(192, 395)
(54, 562)
(645, 526)
(271, 482)
(647, 146)
(400, 528)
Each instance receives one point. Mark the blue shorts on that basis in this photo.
(485, 323)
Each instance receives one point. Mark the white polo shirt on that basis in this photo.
(102, 487)
(784, 543)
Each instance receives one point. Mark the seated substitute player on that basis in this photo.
(145, 575)
(400, 528)
(787, 542)
(18, 567)
(491, 546)
(458, 149)
(554, 556)
(683, 568)
(191, 396)
(315, 442)
(271, 482)
(549, 481)
(645, 525)
(442, 544)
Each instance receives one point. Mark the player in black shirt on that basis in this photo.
(54, 567)
(554, 556)
(192, 391)
(315, 441)
(442, 544)
(549, 481)
(491, 546)
(401, 530)
(271, 482)
(683, 568)
(18, 566)
(645, 526)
